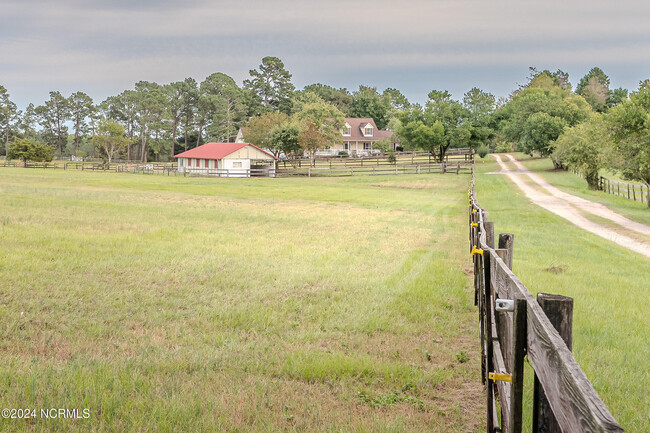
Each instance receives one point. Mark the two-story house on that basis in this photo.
(359, 134)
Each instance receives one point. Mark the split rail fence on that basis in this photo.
(623, 189)
(513, 324)
(456, 167)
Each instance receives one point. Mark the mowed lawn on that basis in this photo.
(609, 284)
(192, 304)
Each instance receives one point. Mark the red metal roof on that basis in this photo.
(216, 150)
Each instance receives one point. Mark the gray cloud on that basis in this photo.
(107, 46)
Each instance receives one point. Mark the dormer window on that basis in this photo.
(347, 130)
(368, 131)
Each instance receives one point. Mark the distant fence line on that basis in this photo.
(457, 168)
(457, 161)
(514, 324)
(411, 158)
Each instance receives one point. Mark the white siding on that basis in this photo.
(236, 167)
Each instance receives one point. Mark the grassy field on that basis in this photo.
(193, 304)
(609, 285)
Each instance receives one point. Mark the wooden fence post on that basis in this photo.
(489, 232)
(518, 353)
(506, 248)
(559, 310)
(488, 364)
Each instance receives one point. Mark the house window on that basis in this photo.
(366, 146)
(346, 146)
(236, 164)
(347, 131)
(368, 130)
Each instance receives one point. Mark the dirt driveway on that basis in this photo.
(570, 207)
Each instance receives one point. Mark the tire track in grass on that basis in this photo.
(597, 209)
(562, 204)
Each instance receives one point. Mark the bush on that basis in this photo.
(483, 151)
(503, 147)
(343, 153)
(27, 150)
(391, 157)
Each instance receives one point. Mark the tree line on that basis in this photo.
(586, 128)
(159, 120)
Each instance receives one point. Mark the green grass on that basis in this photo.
(609, 285)
(194, 304)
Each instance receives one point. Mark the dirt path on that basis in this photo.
(567, 205)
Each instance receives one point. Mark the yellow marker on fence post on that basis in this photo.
(474, 224)
(476, 251)
(503, 377)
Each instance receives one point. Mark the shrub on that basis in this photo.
(483, 151)
(391, 157)
(503, 147)
(27, 150)
(343, 153)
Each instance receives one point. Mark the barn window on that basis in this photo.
(236, 164)
(206, 163)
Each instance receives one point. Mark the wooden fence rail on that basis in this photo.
(636, 192)
(513, 324)
(455, 167)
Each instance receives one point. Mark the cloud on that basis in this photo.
(117, 42)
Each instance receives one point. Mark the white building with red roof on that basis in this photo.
(227, 160)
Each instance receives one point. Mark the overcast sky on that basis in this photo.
(104, 47)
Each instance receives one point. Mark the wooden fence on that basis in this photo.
(402, 158)
(623, 189)
(513, 324)
(370, 170)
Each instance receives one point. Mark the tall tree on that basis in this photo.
(110, 138)
(53, 117)
(453, 117)
(174, 93)
(227, 105)
(397, 100)
(562, 108)
(81, 108)
(480, 106)
(629, 125)
(596, 73)
(123, 109)
(189, 108)
(9, 115)
(340, 98)
(272, 83)
(594, 87)
(368, 102)
(150, 104)
(28, 122)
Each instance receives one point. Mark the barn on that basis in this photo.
(227, 160)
